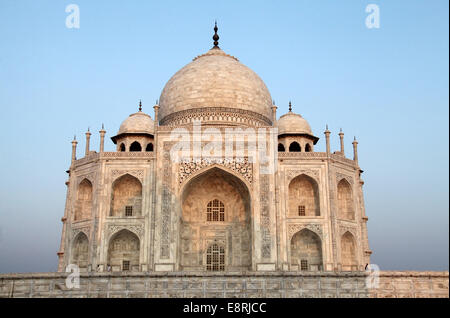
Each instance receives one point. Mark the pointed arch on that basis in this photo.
(307, 147)
(304, 197)
(345, 200)
(83, 204)
(149, 147)
(124, 251)
(135, 146)
(126, 196)
(281, 147)
(348, 252)
(306, 251)
(215, 188)
(80, 251)
(122, 147)
(294, 147)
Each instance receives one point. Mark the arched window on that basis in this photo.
(122, 147)
(135, 146)
(345, 202)
(215, 211)
(149, 147)
(215, 258)
(83, 205)
(307, 148)
(294, 147)
(348, 252)
(281, 148)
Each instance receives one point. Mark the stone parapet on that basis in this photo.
(230, 284)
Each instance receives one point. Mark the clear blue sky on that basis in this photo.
(387, 86)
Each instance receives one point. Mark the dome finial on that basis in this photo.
(290, 107)
(216, 36)
(140, 105)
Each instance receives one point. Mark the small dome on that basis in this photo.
(292, 123)
(214, 82)
(137, 123)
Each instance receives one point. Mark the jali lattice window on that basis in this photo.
(215, 258)
(301, 210)
(304, 265)
(128, 211)
(215, 211)
(126, 265)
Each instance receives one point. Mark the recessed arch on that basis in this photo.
(306, 251)
(304, 200)
(149, 147)
(348, 252)
(308, 147)
(83, 204)
(80, 251)
(126, 196)
(294, 147)
(124, 251)
(345, 200)
(135, 146)
(281, 147)
(122, 147)
(197, 233)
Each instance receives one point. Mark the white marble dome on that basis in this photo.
(216, 81)
(292, 123)
(137, 123)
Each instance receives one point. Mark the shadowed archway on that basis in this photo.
(216, 211)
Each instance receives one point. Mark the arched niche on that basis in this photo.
(304, 197)
(306, 251)
(124, 251)
(126, 197)
(345, 201)
(80, 251)
(348, 252)
(83, 204)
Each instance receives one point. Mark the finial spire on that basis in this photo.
(290, 106)
(103, 126)
(216, 36)
(140, 105)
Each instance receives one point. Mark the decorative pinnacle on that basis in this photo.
(103, 126)
(290, 106)
(216, 37)
(140, 105)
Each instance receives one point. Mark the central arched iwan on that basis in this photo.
(216, 209)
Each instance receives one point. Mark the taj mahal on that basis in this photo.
(288, 208)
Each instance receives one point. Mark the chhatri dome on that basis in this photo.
(214, 87)
(292, 123)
